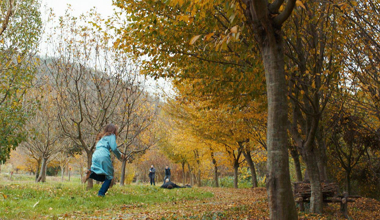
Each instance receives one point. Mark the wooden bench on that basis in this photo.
(302, 194)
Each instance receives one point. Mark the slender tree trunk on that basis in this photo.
(297, 164)
(90, 183)
(309, 155)
(38, 169)
(199, 178)
(251, 165)
(281, 201)
(62, 173)
(236, 174)
(216, 179)
(348, 181)
(183, 174)
(42, 176)
(190, 175)
(122, 176)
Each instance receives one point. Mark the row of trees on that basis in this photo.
(321, 84)
(54, 105)
(297, 79)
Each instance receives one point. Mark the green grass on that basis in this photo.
(53, 199)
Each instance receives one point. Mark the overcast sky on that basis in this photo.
(104, 7)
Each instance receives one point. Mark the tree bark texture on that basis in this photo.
(122, 176)
(190, 175)
(251, 165)
(348, 181)
(278, 182)
(183, 174)
(322, 156)
(199, 178)
(316, 199)
(305, 141)
(267, 31)
(42, 175)
(90, 183)
(62, 173)
(236, 174)
(37, 169)
(297, 164)
(216, 178)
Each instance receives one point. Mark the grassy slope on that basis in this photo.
(55, 200)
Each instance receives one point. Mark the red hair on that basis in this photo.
(107, 130)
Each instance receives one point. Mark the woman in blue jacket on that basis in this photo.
(101, 168)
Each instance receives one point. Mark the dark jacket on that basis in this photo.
(167, 172)
(165, 185)
(152, 171)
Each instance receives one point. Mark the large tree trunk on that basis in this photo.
(297, 164)
(266, 27)
(281, 201)
(122, 176)
(251, 165)
(42, 175)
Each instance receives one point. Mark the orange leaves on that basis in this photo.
(208, 36)
(234, 29)
(185, 18)
(300, 4)
(4, 196)
(221, 39)
(193, 39)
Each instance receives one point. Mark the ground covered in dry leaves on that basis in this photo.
(225, 204)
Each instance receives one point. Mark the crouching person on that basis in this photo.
(101, 168)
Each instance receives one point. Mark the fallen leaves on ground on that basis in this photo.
(225, 204)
